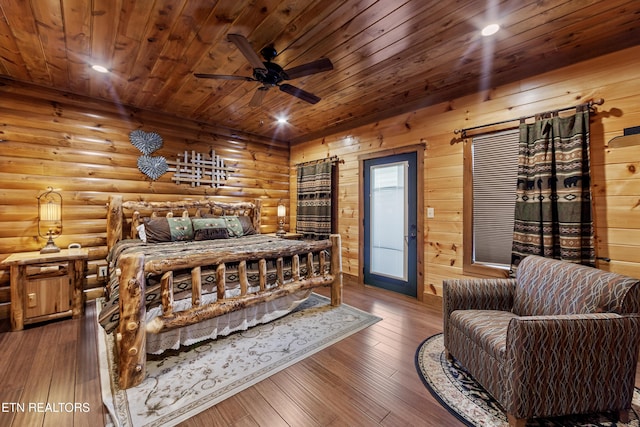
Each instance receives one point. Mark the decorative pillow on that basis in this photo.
(247, 225)
(209, 228)
(234, 227)
(161, 229)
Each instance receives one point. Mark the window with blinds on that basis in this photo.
(495, 171)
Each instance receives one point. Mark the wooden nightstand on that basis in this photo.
(46, 286)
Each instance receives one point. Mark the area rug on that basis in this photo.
(457, 391)
(180, 385)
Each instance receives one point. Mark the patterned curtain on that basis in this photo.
(314, 200)
(553, 201)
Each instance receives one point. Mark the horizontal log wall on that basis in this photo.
(81, 148)
(616, 171)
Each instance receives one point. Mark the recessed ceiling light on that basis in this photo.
(490, 30)
(282, 120)
(100, 68)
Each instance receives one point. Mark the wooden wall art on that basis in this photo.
(199, 169)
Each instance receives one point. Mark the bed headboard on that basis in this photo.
(123, 217)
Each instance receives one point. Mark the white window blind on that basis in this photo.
(495, 171)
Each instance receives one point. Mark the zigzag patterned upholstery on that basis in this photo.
(559, 339)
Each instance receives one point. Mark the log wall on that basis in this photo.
(615, 170)
(81, 148)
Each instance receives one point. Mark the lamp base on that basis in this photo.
(50, 247)
(281, 231)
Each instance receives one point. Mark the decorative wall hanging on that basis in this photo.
(199, 169)
(148, 142)
(154, 167)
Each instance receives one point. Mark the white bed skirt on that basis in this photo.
(220, 326)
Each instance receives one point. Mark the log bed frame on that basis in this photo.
(130, 335)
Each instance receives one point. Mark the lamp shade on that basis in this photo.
(282, 212)
(50, 215)
(50, 211)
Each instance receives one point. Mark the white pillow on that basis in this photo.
(142, 235)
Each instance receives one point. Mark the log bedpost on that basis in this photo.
(166, 289)
(242, 276)
(262, 273)
(131, 336)
(336, 269)
(136, 220)
(309, 265)
(279, 271)
(114, 221)
(257, 219)
(322, 263)
(221, 280)
(196, 286)
(295, 267)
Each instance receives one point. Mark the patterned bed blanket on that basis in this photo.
(249, 248)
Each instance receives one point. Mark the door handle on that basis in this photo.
(412, 235)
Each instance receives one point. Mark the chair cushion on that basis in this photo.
(550, 287)
(487, 328)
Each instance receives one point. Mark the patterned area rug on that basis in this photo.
(182, 384)
(457, 391)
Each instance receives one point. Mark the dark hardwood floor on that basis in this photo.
(49, 374)
(367, 379)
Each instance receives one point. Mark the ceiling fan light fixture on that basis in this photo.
(490, 30)
(100, 68)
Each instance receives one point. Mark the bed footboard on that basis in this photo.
(132, 330)
(131, 336)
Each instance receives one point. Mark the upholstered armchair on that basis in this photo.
(558, 339)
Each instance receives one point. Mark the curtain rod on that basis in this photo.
(589, 105)
(327, 159)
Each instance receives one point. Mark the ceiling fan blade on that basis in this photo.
(299, 93)
(223, 77)
(318, 66)
(244, 46)
(258, 96)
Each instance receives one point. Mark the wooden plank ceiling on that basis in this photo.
(389, 56)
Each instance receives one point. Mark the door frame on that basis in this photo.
(419, 150)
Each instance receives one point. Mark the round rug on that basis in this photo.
(457, 391)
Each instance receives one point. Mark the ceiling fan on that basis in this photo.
(270, 74)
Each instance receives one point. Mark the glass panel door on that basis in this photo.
(390, 223)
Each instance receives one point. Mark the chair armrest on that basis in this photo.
(475, 294)
(580, 361)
